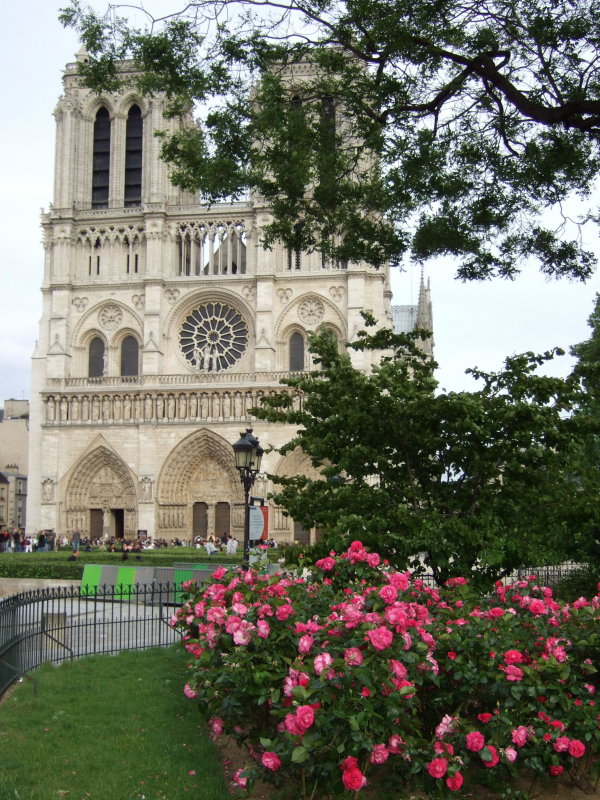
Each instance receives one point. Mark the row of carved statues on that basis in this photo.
(149, 406)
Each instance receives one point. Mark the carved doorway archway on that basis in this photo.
(199, 475)
(101, 482)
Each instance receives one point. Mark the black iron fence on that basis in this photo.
(70, 622)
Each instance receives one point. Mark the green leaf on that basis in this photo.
(299, 754)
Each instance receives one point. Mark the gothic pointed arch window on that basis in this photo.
(296, 352)
(101, 159)
(129, 356)
(133, 157)
(96, 360)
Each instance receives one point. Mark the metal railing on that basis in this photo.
(71, 622)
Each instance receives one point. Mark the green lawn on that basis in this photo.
(108, 728)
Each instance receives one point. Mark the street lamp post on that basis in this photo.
(248, 455)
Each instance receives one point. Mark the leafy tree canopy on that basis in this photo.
(484, 478)
(480, 116)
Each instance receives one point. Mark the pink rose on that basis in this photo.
(189, 692)
(373, 559)
(291, 725)
(380, 637)
(388, 593)
(513, 657)
(219, 573)
(353, 657)
(239, 778)
(379, 754)
(305, 643)
(305, 716)
(485, 717)
(510, 754)
(513, 673)
(353, 779)
(537, 607)
(326, 564)
(556, 770)
(455, 782)
(284, 611)
(395, 743)
(489, 756)
(475, 741)
(322, 662)
(271, 761)
(520, 735)
(263, 629)
(398, 668)
(576, 748)
(437, 768)
(561, 744)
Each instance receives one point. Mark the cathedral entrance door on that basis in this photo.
(200, 520)
(96, 523)
(222, 519)
(117, 523)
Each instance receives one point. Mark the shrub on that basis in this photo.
(359, 673)
(581, 582)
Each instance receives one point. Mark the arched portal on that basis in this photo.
(100, 498)
(197, 486)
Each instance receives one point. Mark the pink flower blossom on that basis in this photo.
(513, 673)
(576, 748)
(239, 778)
(388, 593)
(373, 559)
(537, 607)
(326, 564)
(271, 761)
(395, 743)
(284, 611)
(305, 643)
(322, 662)
(447, 725)
(263, 629)
(520, 735)
(437, 768)
(379, 754)
(513, 657)
(216, 726)
(380, 638)
(305, 716)
(353, 779)
(189, 692)
(489, 756)
(556, 769)
(475, 741)
(510, 754)
(219, 573)
(398, 669)
(485, 717)
(353, 657)
(455, 782)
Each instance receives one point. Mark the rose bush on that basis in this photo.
(357, 674)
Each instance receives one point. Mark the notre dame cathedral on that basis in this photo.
(164, 321)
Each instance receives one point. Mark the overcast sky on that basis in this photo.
(474, 324)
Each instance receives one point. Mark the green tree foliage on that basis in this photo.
(480, 116)
(450, 480)
(587, 369)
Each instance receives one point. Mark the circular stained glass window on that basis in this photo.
(213, 337)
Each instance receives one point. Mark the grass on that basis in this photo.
(108, 727)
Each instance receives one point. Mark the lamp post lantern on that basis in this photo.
(248, 455)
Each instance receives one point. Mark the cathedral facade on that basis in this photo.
(164, 321)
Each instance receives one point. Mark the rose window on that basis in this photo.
(213, 337)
